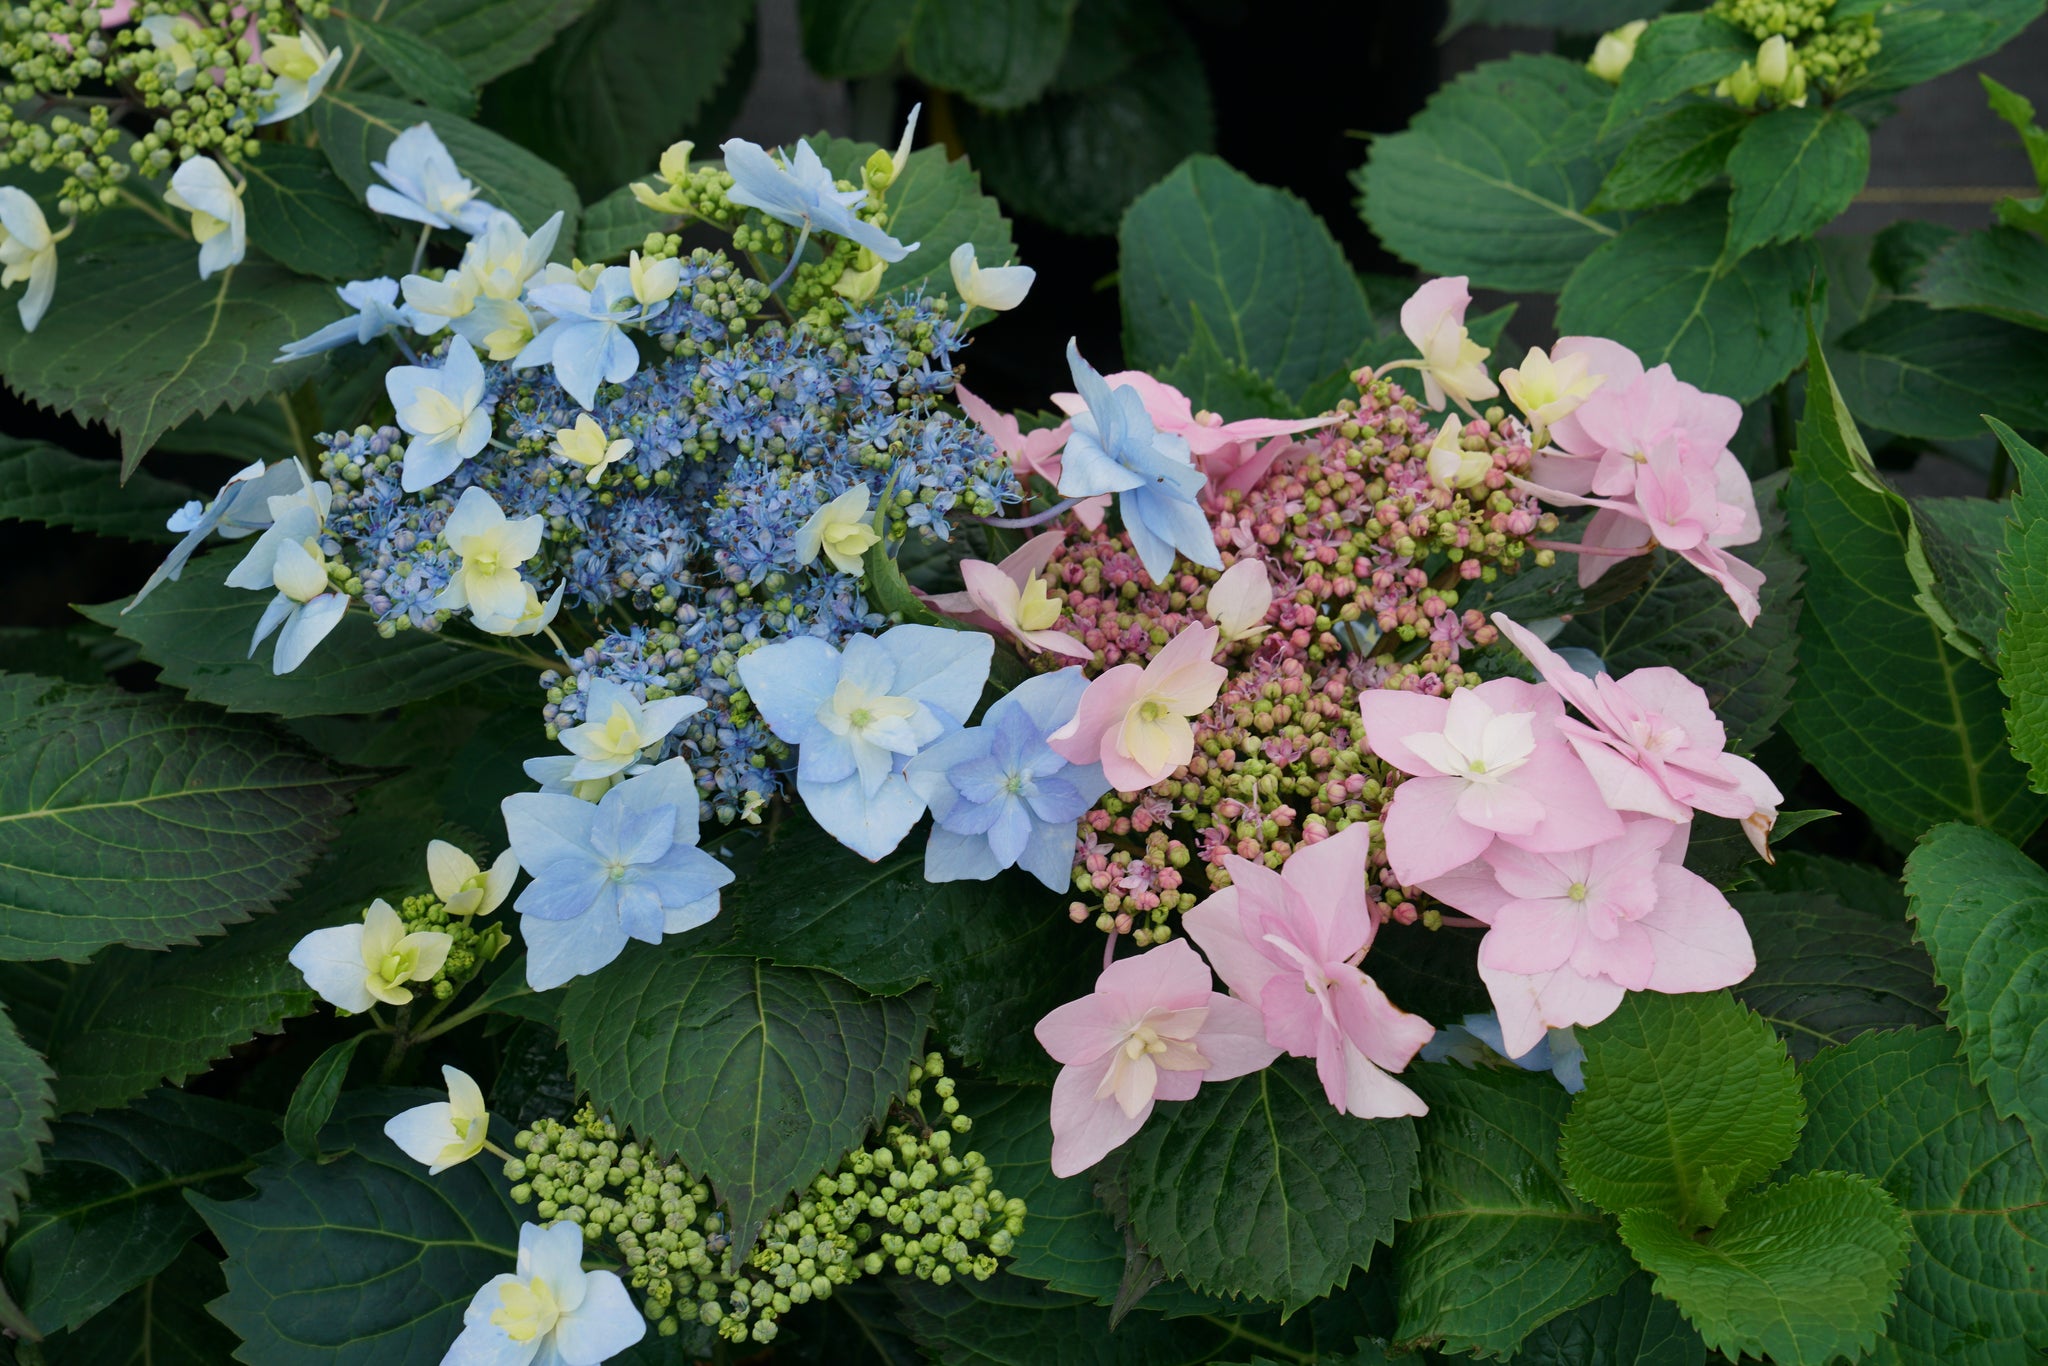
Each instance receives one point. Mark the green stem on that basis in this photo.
(1263, 1343)
(468, 1013)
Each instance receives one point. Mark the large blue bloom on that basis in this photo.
(998, 793)
(803, 194)
(1116, 449)
(624, 868)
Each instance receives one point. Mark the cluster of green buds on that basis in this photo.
(1800, 44)
(908, 1203)
(473, 941)
(84, 151)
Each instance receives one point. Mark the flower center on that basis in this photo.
(527, 1310)
(1577, 891)
(397, 965)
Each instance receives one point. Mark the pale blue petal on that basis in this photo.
(941, 668)
(1010, 830)
(870, 826)
(788, 681)
(640, 911)
(565, 889)
(670, 784)
(543, 827)
(1049, 854)
(958, 858)
(826, 758)
(557, 950)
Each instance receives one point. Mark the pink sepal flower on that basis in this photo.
(1654, 744)
(1572, 932)
(1453, 365)
(1484, 763)
(1134, 721)
(1227, 453)
(1000, 598)
(1154, 1029)
(1290, 942)
(1030, 452)
(117, 14)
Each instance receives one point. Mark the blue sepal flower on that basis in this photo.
(241, 508)
(377, 312)
(1000, 796)
(626, 867)
(858, 716)
(1116, 449)
(586, 343)
(1468, 1042)
(803, 194)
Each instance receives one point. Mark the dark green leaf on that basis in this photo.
(162, 1322)
(1497, 1243)
(1865, 886)
(312, 1103)
(1009, 1321)
(1900, 252)
(1220, 384)
(853, 37)
(487, 37)
(1900, 722)
(1899, 1109)
(1675, 54)
(401, 1252)
(304, 217)
(184, 345)
(1208, 248)
(617, 224)
(1631, 1327)
(197, 630)
(1801, 1273)
(1981, 908)
(415, 65)
(2001, 271)
(1673, 157)
(1957, 571)
(1069, 1240)
(44, 483)
(1576, 16)
(939, 204)
(2023, 639)
(755, 1077)
(109, 1211)
(1913, 370)
(1688, 1100)
(1488, 181)
(1001, 54)
(1793, 170)
(1666, 288)
(1826, 973)
(1258, 1187)
(140, 820)
(25, 1110)
(1923, 39)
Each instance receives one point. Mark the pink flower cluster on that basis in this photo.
(1565, 836)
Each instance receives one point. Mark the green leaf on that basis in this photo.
(938, 204)
(1826, 973)
(356, 129)
(44, 483)
(1069, 1240)
(184, 346)
(1208, 248)
(2023, 638)
(1981, 908)
(109, 1212)
(1923, 39)
(401, 1252)
(1496, 1243)
(312, 1103)
(617, 224)
(1793, 170)
(2018, 111)
(1668, 288)
(1217, 383)
(1895, 718)
(1675, 54)
(196, 630)
(1631, 1327)
(1957, 571)
(1672, 157)
(1899, 1109)
(162, 1322)
(1489, 181)
(303, 217)
(1684, 620)
(845, 38)
(1257, 1187)
(418, 68)
(1001, 54)
(756, 1077)
(2001, 271)
(486, 37)
(1918, 372)
(136, 819)
(1688, 1100)
(619, 85)
(25, 1110)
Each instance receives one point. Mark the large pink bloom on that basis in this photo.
(1571, 932)
(1010, 599)
(1030, 452)
(1134, 721)
(1154, 1029)
(1228, 453)
(1654, 744)
(1483, 763)
(1290, 942)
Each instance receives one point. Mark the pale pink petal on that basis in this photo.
(1084, 1030)
(1501, 808)
(1575, 813)
(1101, 712)
(1609, 529)
(1294, 1016)
(1532, 936)
(1233, 1039)
(1092, 512)
(1330, 876)
(1430, 304)
(1356, 1087)
(1167, 978)
(1679, 700)
(1381, 1030)
(1699, 939)
(1032, 556)
(1000, 426)
(1085, 1130)
(1391, 717)
(1179, 1085)
(1530, 1005)
(1184, 674)
(1626, 959)
(991, 590)
(1217, 927)
(1425, 836)
(1473, 889)
(1623, 785)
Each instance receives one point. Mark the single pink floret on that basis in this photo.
(1227, 453)
(1654, 744)
(1030, 452)
(1484, 763)
(1453, 365)
(1134, 721)
(1290, 942)
(1011, 599)
(1154, 1029)
(1572, 932)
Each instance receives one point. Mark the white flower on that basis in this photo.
(1450, 464)
(533, 616)
(463, 887)
(356, 966)
(997, 289)
(202, 189)
(172, 35)
(549, 1311)
(302, 66)
(585, 445)
(28, 251)
(840, 529)
(445, 1133)
(306, 608)
(424, 185)
(654, 282)
(481, 296)
(1239, 600)
(617, 727)
(444, 412)
(492, 548)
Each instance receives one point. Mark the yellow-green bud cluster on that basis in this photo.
(1802, 43)
(908, 1203)
(475, 942)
